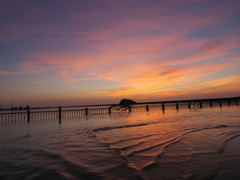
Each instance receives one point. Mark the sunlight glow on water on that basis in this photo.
(183, 144)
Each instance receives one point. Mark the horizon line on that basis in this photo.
(151, 102)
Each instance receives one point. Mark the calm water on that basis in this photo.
(185, 144)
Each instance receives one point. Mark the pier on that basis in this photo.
(63, 112)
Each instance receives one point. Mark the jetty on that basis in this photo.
(63, 112)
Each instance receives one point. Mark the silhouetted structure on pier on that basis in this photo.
(123, 105)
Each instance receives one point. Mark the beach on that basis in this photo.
(171, 144)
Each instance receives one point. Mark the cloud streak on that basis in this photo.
(137, 48)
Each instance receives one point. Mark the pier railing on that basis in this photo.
(64, 112)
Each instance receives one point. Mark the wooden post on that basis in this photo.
(28, 115)
(177, 107)
(189, 105)
(163, 106)
(236, 102)
(147, 108)
(210, 103)
(229, 103)
(59, 112)
(220, 103)
(200, 103)
(130, 109)
(59, 115)
(109, 110)
(86, 111)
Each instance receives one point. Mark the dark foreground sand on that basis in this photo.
(230, 166)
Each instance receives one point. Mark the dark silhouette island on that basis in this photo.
(123, 105)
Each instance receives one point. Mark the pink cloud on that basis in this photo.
(144, 50)
(8, 73)
(143, 61)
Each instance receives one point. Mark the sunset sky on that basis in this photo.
(74, 52)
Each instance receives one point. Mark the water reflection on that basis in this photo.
(171, 144)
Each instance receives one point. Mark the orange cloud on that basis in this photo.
(157, 54)
(134, 76)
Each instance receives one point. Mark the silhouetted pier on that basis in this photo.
(64, 112)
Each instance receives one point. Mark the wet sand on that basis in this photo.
(185, 144)
(230, 166)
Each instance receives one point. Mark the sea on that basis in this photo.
(196, 143)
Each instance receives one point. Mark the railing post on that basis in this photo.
(200, 104)
(147, 108)
(210, 103)
(177, 107)
(229, 103)
(163, 106)
(59, 112)
(28, 115)
(236, 102)
(130, 109)
(220, 103)
(189, 105)
(109, 110)
(86, 111)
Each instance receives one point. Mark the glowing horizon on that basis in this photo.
(100, 52)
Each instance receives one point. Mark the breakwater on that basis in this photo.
(61, 112)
